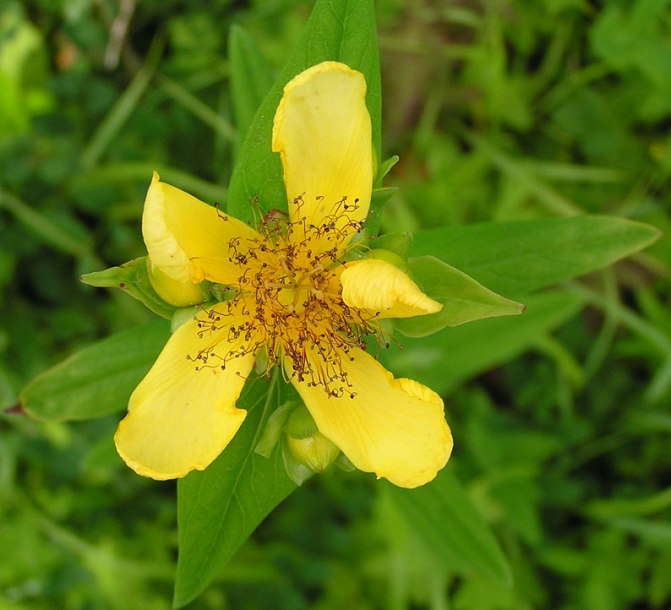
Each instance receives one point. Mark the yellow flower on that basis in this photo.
(292, 301)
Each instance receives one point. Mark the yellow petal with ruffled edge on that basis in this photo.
(188, 240)
(180, 418)
(322, 131)
(395, 428)
(381, 288)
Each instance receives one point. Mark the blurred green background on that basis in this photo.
(499, 109)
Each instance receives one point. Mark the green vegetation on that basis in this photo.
(512, 120)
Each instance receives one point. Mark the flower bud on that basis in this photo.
(306, 450)
(316, 452)
(179, 294)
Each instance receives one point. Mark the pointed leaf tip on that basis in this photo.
(463, 298)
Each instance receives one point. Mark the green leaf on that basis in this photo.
(515, 258)
(97, 380)
(453, 355)
(338, 30)
(219, 508)
(444, 517)
(251, 78)
(463, 299)
(132, 278)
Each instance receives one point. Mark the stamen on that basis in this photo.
(288, 300)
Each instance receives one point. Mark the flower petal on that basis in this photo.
(382, 288)
(322, 131)
(183, 414)
(395, 428)
(188, 240)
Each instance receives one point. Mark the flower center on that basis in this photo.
(298, 312)
(290, 297)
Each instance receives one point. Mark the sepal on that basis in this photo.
(388, 256)
(133, 278)
(385, 167)
(274, 429)
(181, 316)
(300, 423)
(378, 199)
(296, 470)
(399, 243)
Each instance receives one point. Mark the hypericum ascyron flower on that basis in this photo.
(290, 299)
